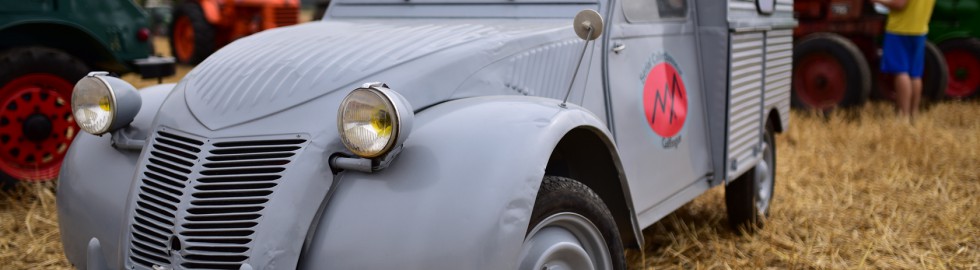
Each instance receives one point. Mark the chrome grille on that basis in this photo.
(199, 200)
(162, 183)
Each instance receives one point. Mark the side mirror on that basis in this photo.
(588, 24)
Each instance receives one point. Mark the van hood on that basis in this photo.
(426, 61)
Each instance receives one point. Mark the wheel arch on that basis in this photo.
(468, 175)
(776, 119)
(84, 44)
(588, 156)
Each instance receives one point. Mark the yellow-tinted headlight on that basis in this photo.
(91, 104)
(101, 103)
(368, 122)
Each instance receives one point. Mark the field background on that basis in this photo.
(854, 190)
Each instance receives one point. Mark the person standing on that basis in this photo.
(903, 53)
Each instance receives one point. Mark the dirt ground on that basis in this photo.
(853, 190)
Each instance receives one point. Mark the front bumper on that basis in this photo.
(155, 67)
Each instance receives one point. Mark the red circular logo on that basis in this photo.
(665, 100)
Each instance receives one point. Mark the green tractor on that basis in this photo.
(955, 26)
(45, 47)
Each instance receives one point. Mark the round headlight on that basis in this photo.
(373, 119)
(102, 104)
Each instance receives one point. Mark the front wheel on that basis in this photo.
(570, 228)
(748, 198)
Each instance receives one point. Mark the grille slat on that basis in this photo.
(236, 157)
(177, 183)
(207, 195)
(238, 179)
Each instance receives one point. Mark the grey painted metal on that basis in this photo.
(483, 211)
(745, 99)
(779, 72)
(486, 89)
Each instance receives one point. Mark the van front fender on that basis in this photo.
(459, 196)
(93, 187)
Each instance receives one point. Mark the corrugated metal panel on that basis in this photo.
(779, 72)
(744, 100)
(199, 200)
(544, 71)
(784, 6)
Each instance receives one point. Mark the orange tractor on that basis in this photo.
(200, 27)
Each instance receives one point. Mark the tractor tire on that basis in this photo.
(830, 72)
(192, 38)
(36, 125)
(963, 62)
(935, 77)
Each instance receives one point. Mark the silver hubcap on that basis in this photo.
(763, 180)
(565, 241)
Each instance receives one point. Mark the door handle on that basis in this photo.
(618, 47)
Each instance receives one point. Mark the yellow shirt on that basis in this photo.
(912, 20)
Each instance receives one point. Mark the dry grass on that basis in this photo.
(858, 190)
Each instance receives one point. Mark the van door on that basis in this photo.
(658, 110)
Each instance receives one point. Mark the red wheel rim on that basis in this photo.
(819, 81)
(964, 73)
(183, 38)
(36, 126)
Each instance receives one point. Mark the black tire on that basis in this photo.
(857, 74)
(741, 195)
(563, 195)
(959, 74)
(204, 34)
(320, 9)
(18, 62)
(7, 183)
(935, 76)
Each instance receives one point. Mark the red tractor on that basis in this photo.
(200, 27)
(837, 54)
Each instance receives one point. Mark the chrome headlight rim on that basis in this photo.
(113, 108)
(400, 114)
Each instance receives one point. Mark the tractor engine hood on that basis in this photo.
(426, 61)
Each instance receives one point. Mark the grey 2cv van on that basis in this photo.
(434, 134)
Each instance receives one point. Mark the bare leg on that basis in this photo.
(916, 97)
(903, 94)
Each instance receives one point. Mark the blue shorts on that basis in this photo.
(903, 54)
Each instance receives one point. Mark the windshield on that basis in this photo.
(459, 8)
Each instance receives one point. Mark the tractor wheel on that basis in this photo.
(934, 78)
(36, 125)
(963, 61)
(830, 72)
(191, 36)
